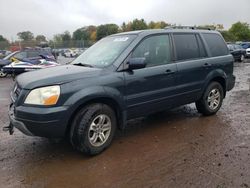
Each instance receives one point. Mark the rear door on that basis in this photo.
(151, 89)
(192, 66)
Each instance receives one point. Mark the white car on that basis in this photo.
(248, 52)
(70, 53)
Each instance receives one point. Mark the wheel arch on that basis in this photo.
(111, 102)
(217, 76)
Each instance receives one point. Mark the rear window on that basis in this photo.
(186, 46)
(216, 44)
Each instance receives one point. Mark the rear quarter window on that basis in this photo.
(216, 44)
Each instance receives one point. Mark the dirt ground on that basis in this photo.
(178, 148)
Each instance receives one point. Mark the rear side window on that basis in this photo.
(215, 44)
(186, 46)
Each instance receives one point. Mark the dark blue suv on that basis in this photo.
(122, 77)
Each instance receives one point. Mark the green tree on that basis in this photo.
(126, 27)
(25, 35)
(105, 30)
(241, 31)
(138, 24)
(66, 36)
(2, 39)
(81, 34)
(41, 38)
(4, 43)
(57, 38)
(158, 25)
(219, 27)
(229, 37)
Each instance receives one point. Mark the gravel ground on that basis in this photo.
(177, 148)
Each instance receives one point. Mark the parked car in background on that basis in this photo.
(238, 52)
(248, 52)
(25, 55)
(70, 53)
(4, 53)
(245, 45)
(119, 78)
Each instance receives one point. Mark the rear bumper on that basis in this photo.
(42, 122)
(230, 82)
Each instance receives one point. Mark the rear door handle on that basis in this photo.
(207, 65)
(169, 72)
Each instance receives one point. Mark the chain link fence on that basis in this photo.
(4, 45)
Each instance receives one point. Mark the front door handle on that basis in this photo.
(169, 72)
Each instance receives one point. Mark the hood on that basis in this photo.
(4, 62)
(55, 75)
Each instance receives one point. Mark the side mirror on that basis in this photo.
(136, 63)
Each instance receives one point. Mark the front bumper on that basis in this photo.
(15, 123)
(35, 121)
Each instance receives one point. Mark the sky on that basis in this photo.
(50, 17)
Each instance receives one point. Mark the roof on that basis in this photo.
(166, 30)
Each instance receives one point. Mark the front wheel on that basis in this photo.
(211, 100)
(93, 129)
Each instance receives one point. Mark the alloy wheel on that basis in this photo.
(213, 99)
(99, 130)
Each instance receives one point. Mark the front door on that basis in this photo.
(151, 89)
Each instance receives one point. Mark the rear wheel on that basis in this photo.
(211, 100)
(93, 129)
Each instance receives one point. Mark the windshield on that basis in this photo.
(105, 51)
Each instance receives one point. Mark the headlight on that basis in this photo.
(43, 96)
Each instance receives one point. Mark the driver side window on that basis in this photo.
(155, 49)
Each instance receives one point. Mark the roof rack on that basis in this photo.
(187, 27)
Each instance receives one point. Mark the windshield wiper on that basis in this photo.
(83, 64)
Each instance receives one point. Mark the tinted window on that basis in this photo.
(156, 50)
(186, 46)
(216, 44)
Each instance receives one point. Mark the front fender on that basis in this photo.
(94, 93)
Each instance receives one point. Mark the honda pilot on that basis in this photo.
(122, 77)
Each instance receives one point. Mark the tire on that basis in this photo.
(2, 74)
(93, 129)
(211, 99)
